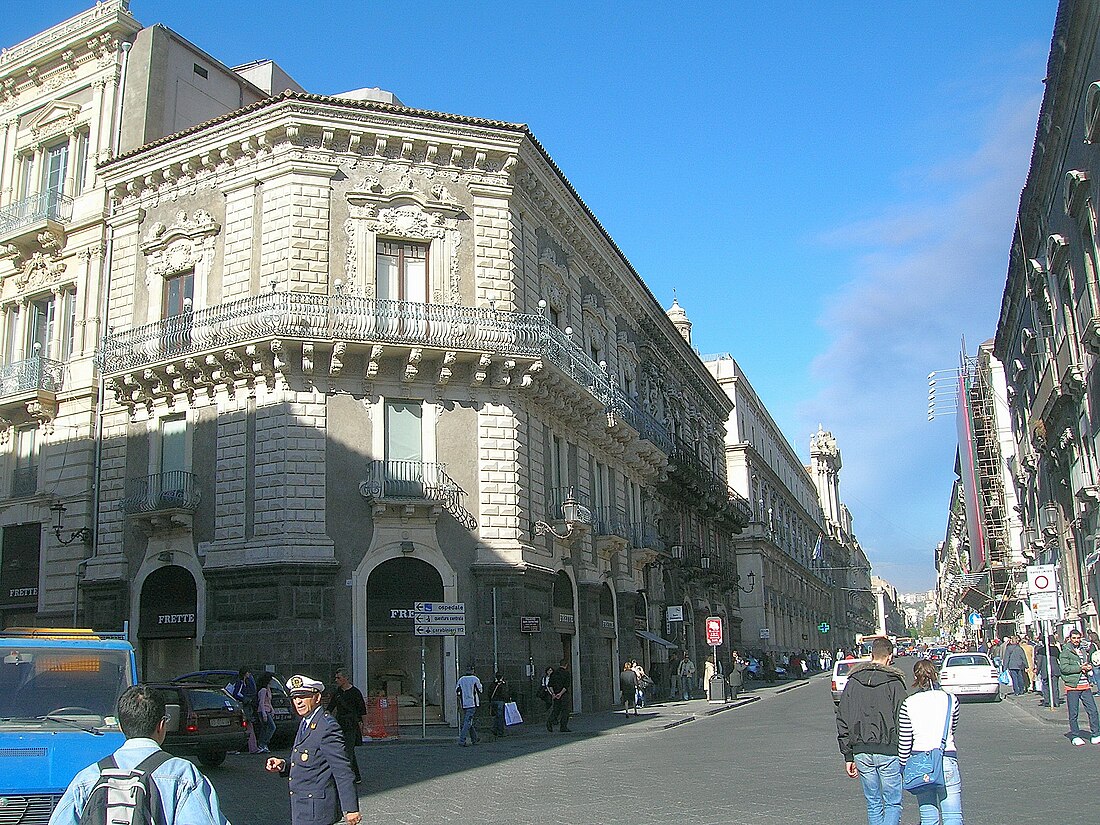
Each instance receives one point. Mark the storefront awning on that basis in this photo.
(653, 637)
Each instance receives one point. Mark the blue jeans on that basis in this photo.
(468, 727)
(686, 686)
(1019, 686)
(1076, 698)
(880, 776)
(943, 804)
(498, 717)
(264, 731)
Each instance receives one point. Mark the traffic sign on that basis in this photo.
(714, 630)
(765, 633)
(439, 607)
(1042, 578)
(823, 627)
(440, 618)
(975, 619)
(439, 630)
(1044, 606)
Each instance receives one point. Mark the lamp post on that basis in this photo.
(752, 583)
(571, 512)
(81, 533)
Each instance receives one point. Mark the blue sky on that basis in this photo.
(829, 187)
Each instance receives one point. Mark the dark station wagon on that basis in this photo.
(211, 723)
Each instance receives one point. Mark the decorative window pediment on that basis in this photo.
(175, 248)
(1057, 250)
(1076, 190)
(57, 118)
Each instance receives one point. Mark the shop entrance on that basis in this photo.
(167, 624)
(395, 656)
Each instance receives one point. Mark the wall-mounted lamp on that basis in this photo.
(82, 534)
(572, 513)
(1048, 518)
(752, 583)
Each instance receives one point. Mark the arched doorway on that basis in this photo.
(607, 680)
(168, 623)
(400, 665)
(564, 620)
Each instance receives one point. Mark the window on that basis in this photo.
(404, 449)
(201, 72)
(26, 175)
(25, 476)
(53, 173)
(178, 294)
(11, 343)
(173, 444)
(68, 325)
(80, 165)
(402, 271)
(40, 328)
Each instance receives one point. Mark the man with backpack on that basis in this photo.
(157, 788)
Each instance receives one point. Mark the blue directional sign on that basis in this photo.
(975, 619)
(823, 627)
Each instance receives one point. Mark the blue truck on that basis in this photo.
(58, 692)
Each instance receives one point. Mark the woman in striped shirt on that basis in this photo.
(920, 728)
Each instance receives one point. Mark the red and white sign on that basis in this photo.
(1041, 578)
(714, 630)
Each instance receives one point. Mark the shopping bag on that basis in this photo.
(511, 714)
(1004, 678)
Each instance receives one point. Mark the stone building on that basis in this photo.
(1048, 333)
(797, 559)
(71, 97)
(362, 356)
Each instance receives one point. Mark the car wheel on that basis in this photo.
(212, 759)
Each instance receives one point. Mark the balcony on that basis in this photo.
(166, 499)
(22, 221)
(28, 389)
(687, 472)
(611, 531)
(404, 484)
(344, 337)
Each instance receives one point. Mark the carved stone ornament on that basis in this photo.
(181, 246)
(56, 119)
(41, 269)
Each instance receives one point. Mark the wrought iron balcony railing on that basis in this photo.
(30, 374)
(48, 205)
(643, 535)
(172, 490)
(416, 481)
(352, 318)
(610, 521)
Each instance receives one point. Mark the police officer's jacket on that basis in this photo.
(322, 785)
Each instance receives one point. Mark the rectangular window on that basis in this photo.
(404, 474)
(80, 165)
(11, 342)
(179, 294)
(19, 565)
(201, 72)
(26, 175)
(173, 444)
(53, 173)
(402, 271)
(25, 476)
(40, 328)
(68, 324)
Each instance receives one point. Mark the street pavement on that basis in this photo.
(770, 757)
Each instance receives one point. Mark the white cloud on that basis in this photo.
(924, 274)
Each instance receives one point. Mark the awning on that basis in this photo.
(653, 637)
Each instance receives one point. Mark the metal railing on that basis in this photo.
(172, 490)
(353, 318)
(610, 521)
(417, 481)
(35, 373)
(49, 205)
(644, 535)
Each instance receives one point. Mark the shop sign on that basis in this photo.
(765, 633)
(674, 613)
(565, 619)
(19, 561)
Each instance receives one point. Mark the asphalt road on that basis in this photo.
(772, 761)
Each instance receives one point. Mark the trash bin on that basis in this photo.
(716, 690)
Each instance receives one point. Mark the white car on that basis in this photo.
(970, 674)
(840, 675)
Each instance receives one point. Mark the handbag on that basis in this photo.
(1004, 678)
(511, 714)
(924, 769)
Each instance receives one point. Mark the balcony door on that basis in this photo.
(40, 328)
(401, 274)
(174, 479)
(53, 174)
(404, 476)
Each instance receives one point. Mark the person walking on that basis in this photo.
(921, 722)
(499, 694)
(1048, 672)
(867, 731)
(349, 709)
(322, 784)
(244, 691)
(736, 678)
(628, 686)
(1075, 666)
(1015, 662)
(186, 796)
(644, 682)
(546, 696)
(468, 691)
(685, 673)
(265, 713)
(559, 692)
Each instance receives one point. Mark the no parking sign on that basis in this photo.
(1041, 578)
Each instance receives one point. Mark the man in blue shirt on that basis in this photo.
(186, 796)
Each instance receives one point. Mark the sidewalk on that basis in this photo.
(656, 716)
(1032, 704)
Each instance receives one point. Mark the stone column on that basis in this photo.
(7, 160)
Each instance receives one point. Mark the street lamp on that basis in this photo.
(752, 583)
(572, 513)
(81, 533)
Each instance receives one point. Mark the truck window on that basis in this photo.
(42, 681)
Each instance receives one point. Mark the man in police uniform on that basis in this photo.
(319, 771)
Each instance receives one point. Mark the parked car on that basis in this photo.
(286, 720)
(840, 675)
(970, 674)
(211, 723)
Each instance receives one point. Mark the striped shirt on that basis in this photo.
(920, 723)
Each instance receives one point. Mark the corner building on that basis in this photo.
(360, 356)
